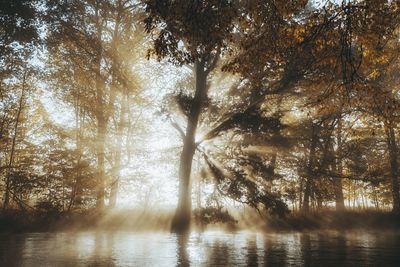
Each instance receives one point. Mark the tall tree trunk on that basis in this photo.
(337, 183)
(181, 220)
(76, 193)
(116, 61)
(117, 164)
(310, 166)
(354, 194)
(100, 164)
(14, 140)
(100, 116)
(376, 201)
(392, 147)
(307, 194)
(75, 196)
(339, 199)
(301, 190)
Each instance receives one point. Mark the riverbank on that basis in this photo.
(127, 219)
(139, 220)
(347, 220)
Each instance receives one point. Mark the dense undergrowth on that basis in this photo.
(139, 220)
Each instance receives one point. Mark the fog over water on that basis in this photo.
(199, 133)
(211, 248)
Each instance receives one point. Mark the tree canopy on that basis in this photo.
(275, 106)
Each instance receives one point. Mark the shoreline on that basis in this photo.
(20, 222)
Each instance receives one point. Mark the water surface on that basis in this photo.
(200, 249)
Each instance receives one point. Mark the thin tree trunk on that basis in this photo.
(392, 147)
(116, 61)
(301, 190)
(376, 199)
(76, 193)
(12, 152)
(307, 194)
(310, 166)
(337, 183)
(117, 164)
(101, 120)
(181, 220)
(363, 199)
(73, 200)
(100, 164)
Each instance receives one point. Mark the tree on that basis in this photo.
(99, 38)
(193, 33)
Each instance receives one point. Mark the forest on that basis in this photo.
(211, 111)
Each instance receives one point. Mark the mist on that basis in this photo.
(203, 133)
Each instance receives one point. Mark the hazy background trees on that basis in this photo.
(273, 105)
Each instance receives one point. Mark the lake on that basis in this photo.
(213, 248)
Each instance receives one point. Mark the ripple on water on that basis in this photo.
(212, 248)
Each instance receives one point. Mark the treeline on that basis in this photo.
(278, 105)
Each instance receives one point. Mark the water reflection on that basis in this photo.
(200, 249)
(182, 255)
(252, 252)
(275, 251)
(305, 247)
